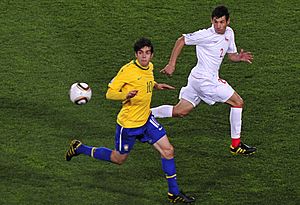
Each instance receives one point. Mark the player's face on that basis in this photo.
(220, 24)
(144, 56)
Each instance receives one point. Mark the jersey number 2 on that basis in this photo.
(221, 52)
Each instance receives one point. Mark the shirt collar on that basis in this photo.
(136, 62)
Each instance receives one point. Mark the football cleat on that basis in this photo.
(180, 198)
(242, 149)
(72, 149)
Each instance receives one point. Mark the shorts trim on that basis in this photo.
(120, 139)
(154, 123)
(194, 105)
(229, 97)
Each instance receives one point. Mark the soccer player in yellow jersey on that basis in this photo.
(133, 85)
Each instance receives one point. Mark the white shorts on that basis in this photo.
(206, 89)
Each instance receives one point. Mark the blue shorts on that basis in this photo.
(150, 132)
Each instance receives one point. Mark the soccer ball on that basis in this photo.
(80, 93)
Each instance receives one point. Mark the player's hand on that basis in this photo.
(168, 70)
(131, 94)
(246, 56)
(163, 86)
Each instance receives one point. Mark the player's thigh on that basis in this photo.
(188, 99)
(125, 139)
(223, 91)
(153, 131)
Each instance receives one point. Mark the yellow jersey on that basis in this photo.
(132, 76)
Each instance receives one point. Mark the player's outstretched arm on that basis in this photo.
(163, 86)
(170, 67)
(242, 56)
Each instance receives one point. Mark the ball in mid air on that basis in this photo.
(80, 93)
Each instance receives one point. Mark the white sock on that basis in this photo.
(162, 111)
(236, 122)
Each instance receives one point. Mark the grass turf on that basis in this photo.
(48, 45)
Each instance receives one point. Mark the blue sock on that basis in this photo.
(100, 153)
(84, 149)
(168, 166)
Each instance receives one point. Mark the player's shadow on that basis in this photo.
(131, 184)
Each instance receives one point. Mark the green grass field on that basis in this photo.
(47, 45)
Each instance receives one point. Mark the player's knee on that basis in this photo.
(168, 152)
(120, 161)
(240, 103)
(182, 109)
(180, 113)
(118, 158)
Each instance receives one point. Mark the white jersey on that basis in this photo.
(211, 48)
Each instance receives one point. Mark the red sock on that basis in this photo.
(235, 142)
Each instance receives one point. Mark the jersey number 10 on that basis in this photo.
(149, 86)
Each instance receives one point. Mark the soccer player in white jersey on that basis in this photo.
(204, 84)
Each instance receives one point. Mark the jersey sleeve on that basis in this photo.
(232, 47)
(114, 91)
(194, 38)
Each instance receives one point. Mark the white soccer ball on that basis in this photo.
(80, 93)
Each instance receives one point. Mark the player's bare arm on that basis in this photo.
(242, 56)
(163, 86)
(170, 67)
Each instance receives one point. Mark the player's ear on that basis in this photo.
(228, 22)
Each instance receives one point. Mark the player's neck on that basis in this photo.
(136, 62)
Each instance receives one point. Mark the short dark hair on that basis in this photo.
(220, 11)
(141, 43)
